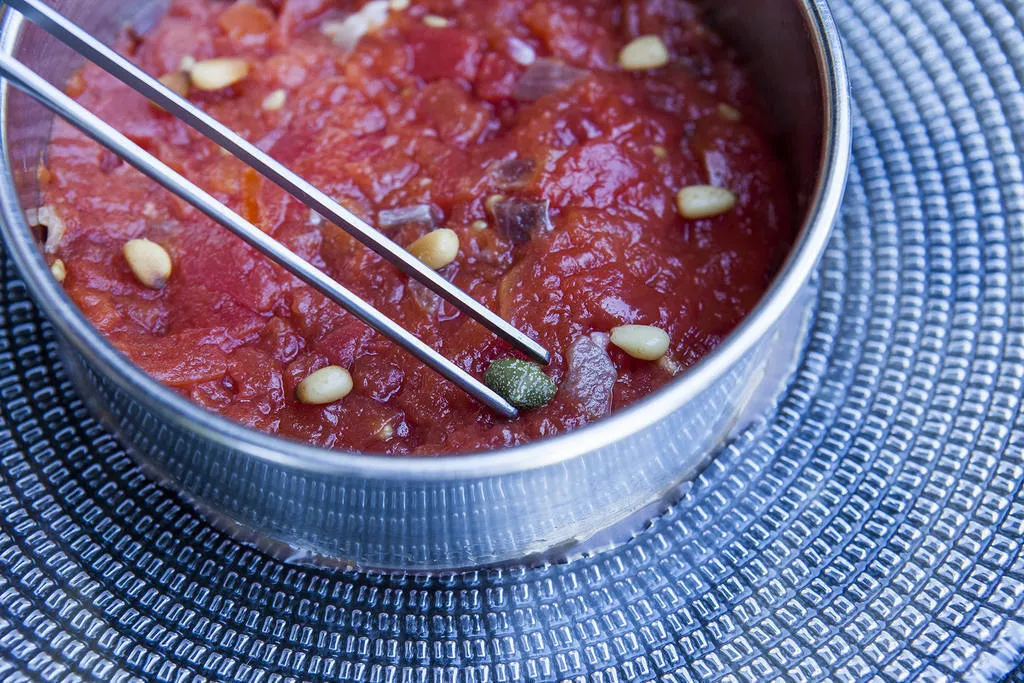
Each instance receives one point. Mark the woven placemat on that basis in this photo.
(871, 526)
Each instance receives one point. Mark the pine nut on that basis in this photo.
(641, 341)
(217, 73)
(177, 81)
(491, 201)
(729, 113)
(436, 249)
(478, 225)
(434, 21)
(326, 385)
(150, 262)
(660, 152)
(398, 5)
(186, 63)
(275, 100)
(59, 270)
(704, 201)
(385, 432)
(645, 52)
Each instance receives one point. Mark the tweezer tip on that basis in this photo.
(507, 411)
(540, 354)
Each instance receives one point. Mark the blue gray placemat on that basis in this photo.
(872, 526)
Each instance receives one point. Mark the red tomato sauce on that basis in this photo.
(428, 114)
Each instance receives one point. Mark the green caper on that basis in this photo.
(521, 383)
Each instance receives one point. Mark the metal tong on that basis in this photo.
(92, 49)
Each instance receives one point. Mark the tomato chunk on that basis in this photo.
(509, 122)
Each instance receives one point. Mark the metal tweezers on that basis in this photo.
(89, 47)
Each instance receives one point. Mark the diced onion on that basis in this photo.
(417, 213)
(347, 32)
(428, 302)
(591, 376)
(518, 220)
(512, 174)
(544, 77)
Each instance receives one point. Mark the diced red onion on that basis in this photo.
(417, 213)
(512, 174)
(429, 302)
(518, 220)
(591, 375)
(545, 76)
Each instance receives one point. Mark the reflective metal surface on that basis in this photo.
(548, 499)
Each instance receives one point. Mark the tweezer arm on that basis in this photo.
(36, 87)
(89, 47)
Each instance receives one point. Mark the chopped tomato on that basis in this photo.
(509, 122)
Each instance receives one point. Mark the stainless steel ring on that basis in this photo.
(548, 499)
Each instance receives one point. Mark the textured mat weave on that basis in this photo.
(872, 526)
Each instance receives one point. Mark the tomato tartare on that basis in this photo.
(599, 173)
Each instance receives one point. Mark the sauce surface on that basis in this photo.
(419, 125)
